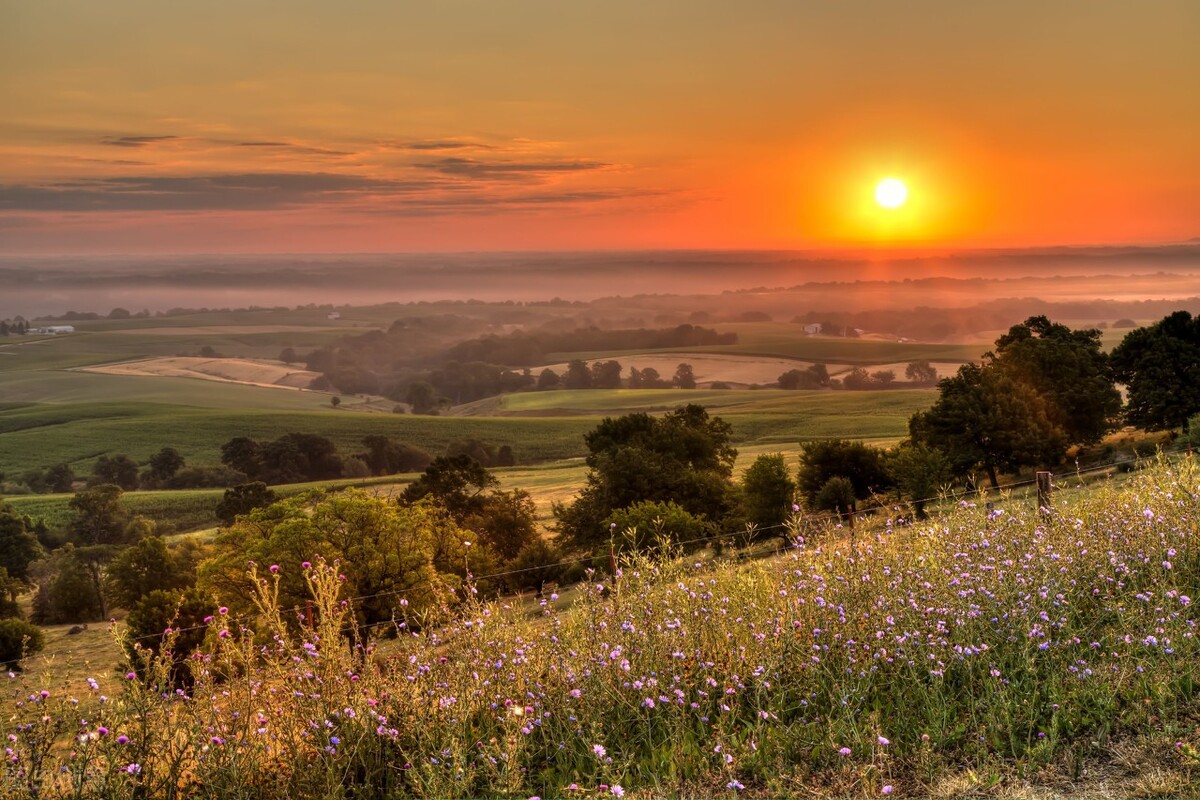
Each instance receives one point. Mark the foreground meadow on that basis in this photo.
(974, 653)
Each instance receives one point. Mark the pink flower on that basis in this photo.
(887, 789)
(274, 568)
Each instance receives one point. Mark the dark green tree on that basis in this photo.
(922, 373)
(606, 374)
(859, 464)
(918, 473)
(60, 478)
(146, 631)
(18, 639)
(120, 470)
(244, 455)
(164, 464)
(547, 379)
(387, 456)
(100, 516)
(578, 375)
(767, 492)
(684, 456)
(685, 377)
(243, 499)
(66, 589)
(1068, 369)
(19, 546)
(1160, 368)
(145, 567)
(421, 396)
(456, 482)
(836, 494)
(985, 418)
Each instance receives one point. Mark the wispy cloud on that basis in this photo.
(473, 168)
(135, 141)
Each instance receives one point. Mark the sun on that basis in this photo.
(891, 193)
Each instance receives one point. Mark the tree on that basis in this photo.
(243, 454)
(505, 456)
(647, 525)
(421, 396)
(837, 495)
(1160, 368)
(288, 356)
(918, 473)
(60, 478)
(335, 401)
(184, 614)
(985, 418)
(860, 465)
(100, 516)
(883, 377)
(120, 470)
(387, 456)
(684, 456)
(18, 546)
(143, 568)
(164, 464)
(66, 589)
(857, 379)
(1069, 370)
(767, 491)
(547, 379)
(606, 375)
(19, 639)
(922, 373)
(685, 377)
(456, 482)
(242, 500)
(790, 379)
(578, 375)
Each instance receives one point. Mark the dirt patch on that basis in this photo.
(271, 374)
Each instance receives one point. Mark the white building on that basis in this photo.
(812, 329)
(53, 330)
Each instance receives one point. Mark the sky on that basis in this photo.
(256, 126)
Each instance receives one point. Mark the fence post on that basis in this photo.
(1043, 491)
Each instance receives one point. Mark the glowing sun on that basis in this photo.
(891, 193)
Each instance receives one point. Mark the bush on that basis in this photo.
(647, 526)
(17, 640)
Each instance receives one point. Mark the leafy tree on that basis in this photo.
(1160, 368)
(120, 470)
(19, 546)
(243, 499)
(10, 590)
(857, 379)
(606, 375)
(883, 377)
(482, 452)
(19, 639)
(60, 478)
(387, 456)
(388, 552)
(685, 377)
(578, 375)
(288, 356)
(66, 589)
(145, 567)
(861, 466)
(985, 418)
(456, 482)
(164, 464)
(146, 626)
(1069, 370)
(421, 396)
(538, 563)
(767, 491)
(547, 379)
(921, 373)
(684, 457)
(505, 456)
(917, 472)
(243, 454)
(836, 494)
(100, 516)
(647, 525)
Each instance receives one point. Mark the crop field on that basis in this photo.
(974, 653)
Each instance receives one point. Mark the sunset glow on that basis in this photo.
(245, 128)
(891, 193)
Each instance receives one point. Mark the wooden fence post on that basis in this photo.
(1043, 491)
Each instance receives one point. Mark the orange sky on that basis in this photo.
(141, 126)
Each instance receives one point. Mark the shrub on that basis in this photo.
(17, 640)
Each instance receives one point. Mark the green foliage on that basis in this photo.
(836, 494)
(120, 470)
(67, 590)
(985, 418)
(165, 463)
(292, 458)
(1160, 367)
(815, 376)
(167, 620)
(685, 377)
(386, 456)
(19, 639)
(100, 516)
(649, 526)
(1070, 372)
(19, 546)
(917, 472)
(455, 481)
(537, 563)
(921, 372)
(767, 491)
(143, 568)
(403, 558)
(684, 457)
(243, 499)
(859, 464)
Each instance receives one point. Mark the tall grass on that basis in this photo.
(1001, 647)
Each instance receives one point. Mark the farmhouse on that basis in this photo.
(53, 330)
(812, 329)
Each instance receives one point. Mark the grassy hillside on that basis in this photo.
(1011, 653)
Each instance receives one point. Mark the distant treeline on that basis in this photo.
(385, 363)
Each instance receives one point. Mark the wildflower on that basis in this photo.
(883, 742)
(306, 564)
(617, 790)
(735, 785)
(599, 750)
(122, 739)
(274, 568)
(133, 769)
(887, 789)
(223, 610)
(845, 751)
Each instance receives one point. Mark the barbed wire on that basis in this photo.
(804, 517)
